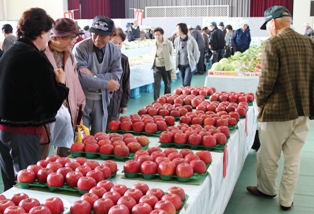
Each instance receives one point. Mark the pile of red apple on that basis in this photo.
(111, 144)
(179, 100)
(22, 203)
(61, 172)
(169, 162)
(144, 123)
(196, 90)
(140, 199)
(195, 136)
(166, 109)
(232, 96)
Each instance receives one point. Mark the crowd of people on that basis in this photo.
(47, 77)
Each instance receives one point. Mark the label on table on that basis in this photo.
(222, 73)
(250, 74)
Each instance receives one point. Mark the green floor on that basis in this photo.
(241, 202)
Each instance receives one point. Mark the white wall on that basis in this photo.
(301, 14)
(13, 9)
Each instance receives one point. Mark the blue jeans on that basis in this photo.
(219, 55)
(186, 74)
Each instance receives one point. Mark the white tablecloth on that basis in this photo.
(212, 196)
(137, 52)
(232, 83)
(141, 75)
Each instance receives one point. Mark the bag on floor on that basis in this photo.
(81, 131)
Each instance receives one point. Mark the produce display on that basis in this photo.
(109, 146)
(248, 61)
(139, 199)
(169, 164)
(60, 173)
(136, 44)
(144, 124)
(147, 58)
(22, 203)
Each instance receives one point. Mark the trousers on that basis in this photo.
(17, 151)
(186, 74)
(160, 72)
(276, 137)
(94, 117)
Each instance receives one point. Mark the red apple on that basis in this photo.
(80, 206)
(114, 196)
(105, 171)
(121, 151)
(5, 204)
(205, 156)
(177, 161)
(143, 140)
(169, 120)
(54, 166)
(71, 178)
(185, 152)
(166, 168)
(83, 169)
(92, 147)
(112, 165)
(156, 192)
(105, 184)
(195, 139)
(209, 141)
(96, 174)
(119, 209)
(43, 174)
(120, 188)
(191, 157)
(185, 119)
(86, 183)
(198, 166)
(64, 170)
(148, 167)
(184, 170)
(158, 160)
(28, 203)
(102, 205)
(90, 198)
(55, 205)
(26, 176)
(134, 147)
(14, 210)
(174, 155)
(158, 211)
(174, 198)
(40, 210)
(106, 149)
(55, 180)
(180, 138)
(241, 111)
(149, 199)
(142, 187)
(72, 165)
(142, 208)
(178, 191)
(99, 191)
(52, 158)
(151, 128)
(153, 149)
(134, 193)
(220, 138)
(114, 125)
(63, 160)
(140, 153)
(80, 160)
(144, 158)
(43, 163)
(16, 198)
(166, 205)
(35, 168)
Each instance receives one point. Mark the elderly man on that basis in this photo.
(134, 32)
(241, 39)
(201, 46)
(217, 42)
(99, 66)
(9, 39)
(308, 30)
(285, 101)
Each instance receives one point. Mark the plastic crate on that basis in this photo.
(135, 93)
(147, 88)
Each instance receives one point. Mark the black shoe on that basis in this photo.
(286, 208)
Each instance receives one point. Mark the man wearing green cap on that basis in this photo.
(285, 100)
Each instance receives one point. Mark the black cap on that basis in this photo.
(102, 25)
(213, 24)
(221, 24)
(198, 27)
(274, 13)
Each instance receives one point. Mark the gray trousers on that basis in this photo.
(186, 74)
(94, 117)
(17, 151)
(166, 76)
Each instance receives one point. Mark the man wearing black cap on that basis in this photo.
(99, 65)
(285, 101)
(217, 42)
(222, 28)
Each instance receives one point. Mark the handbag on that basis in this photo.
(81, 131)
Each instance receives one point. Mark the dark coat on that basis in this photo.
(120, 98)
(29, 93)
(217, 40)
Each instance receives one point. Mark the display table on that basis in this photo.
(141, 75)
(212, 196)
(232, 83)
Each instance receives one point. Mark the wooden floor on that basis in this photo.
(242, 202)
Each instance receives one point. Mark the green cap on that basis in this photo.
(274, 13)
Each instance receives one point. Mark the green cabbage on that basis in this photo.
(228, 67)
(224, 61)
(217, 67)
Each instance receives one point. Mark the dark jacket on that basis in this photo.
(241, 40)
(120, 98)
(134, 34)
(217, 40)
(199, 39)
(29, 93)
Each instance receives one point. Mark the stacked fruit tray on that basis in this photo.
(170, 164)
(61, 174)
(115, 146)
(136, 200)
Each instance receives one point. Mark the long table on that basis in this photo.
(212, 196)
(232, 83)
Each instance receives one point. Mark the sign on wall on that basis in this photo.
(68, 14)
(139, 15)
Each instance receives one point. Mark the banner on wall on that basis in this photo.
(139, 15)
(68, 14)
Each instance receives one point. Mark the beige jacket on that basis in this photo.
(167, 51)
